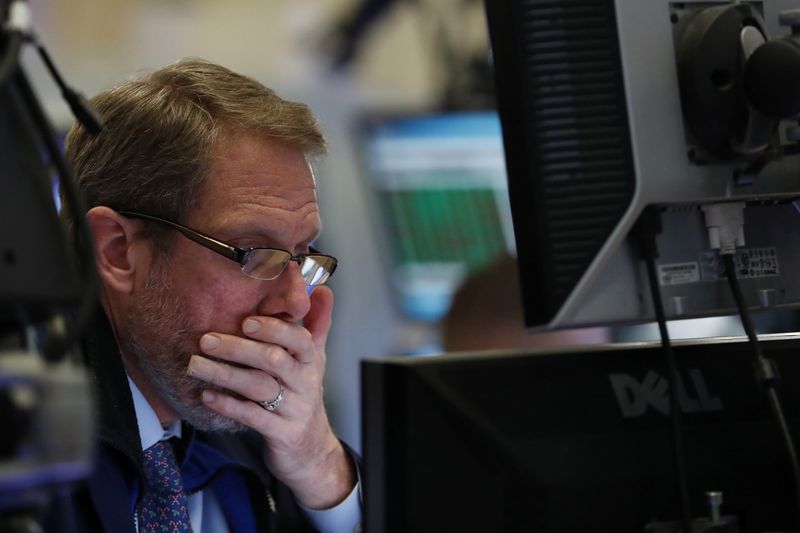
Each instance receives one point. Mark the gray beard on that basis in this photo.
(160, 341)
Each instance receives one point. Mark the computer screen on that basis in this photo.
(610, 107)
(575, 440)
(441, 201)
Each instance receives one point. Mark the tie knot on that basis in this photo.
(161, 468)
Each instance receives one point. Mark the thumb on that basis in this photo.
(318, 319)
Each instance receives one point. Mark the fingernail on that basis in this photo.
(196, 366)
(209, 341)
(192, 368)
(209, 396)
(251, 326)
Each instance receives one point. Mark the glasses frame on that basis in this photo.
(229, 251)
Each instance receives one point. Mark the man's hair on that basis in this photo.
(155, 149)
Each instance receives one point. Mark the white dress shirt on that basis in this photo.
(205, 513)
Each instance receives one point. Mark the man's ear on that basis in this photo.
(117, 251)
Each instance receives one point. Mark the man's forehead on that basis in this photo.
(254, 165)
(257, 183)
(232, 150)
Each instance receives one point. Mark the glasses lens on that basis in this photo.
(264, 263)
(316, 269)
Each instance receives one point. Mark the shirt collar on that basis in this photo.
(150, 429)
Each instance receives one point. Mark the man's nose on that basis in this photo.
(287, 296)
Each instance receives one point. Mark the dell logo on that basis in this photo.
(635, 397)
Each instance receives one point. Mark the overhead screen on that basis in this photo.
(439, 182)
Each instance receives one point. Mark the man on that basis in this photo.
(203, 209)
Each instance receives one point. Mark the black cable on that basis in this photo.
(83, 242)
(84, 112)
(765, 371)
(674, 404)
(649, 227)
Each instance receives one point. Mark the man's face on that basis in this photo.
(259, 193)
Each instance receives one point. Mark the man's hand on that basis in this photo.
(301, 449)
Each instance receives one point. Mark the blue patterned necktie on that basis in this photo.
(163, 508)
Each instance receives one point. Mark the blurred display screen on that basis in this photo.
(442, 200)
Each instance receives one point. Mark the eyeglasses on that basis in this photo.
(259, 263)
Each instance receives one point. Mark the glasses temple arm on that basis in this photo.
(226, 250)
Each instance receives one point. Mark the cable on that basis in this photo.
(17, 30)
(765, 371)
(649, 226)
(725, 223)
(81, 108)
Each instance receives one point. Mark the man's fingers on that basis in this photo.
(270, 358)
(245, 412)
(249, 383)
(318, 319)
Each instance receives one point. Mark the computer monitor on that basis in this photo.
(611, 106)
(37, 271)
(441, 206)
(575, 440)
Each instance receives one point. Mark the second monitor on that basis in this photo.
(567, 441)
